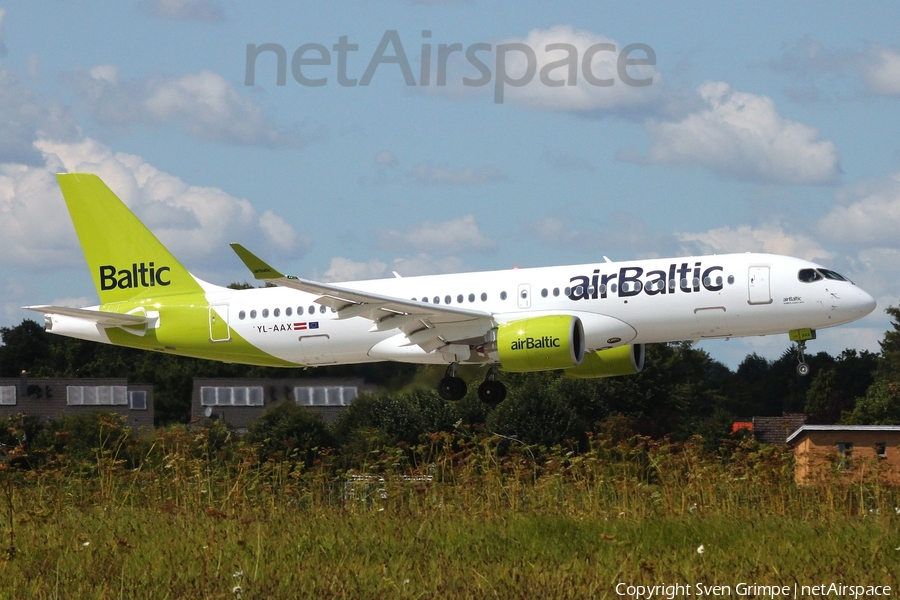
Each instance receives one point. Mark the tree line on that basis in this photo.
(681, 392)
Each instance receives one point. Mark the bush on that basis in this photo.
(289, 431)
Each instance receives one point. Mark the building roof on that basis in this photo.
(807, 428)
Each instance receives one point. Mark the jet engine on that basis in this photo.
(541, 343)
(627, 359)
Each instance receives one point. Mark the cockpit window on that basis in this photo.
(832, 275)
(808, 275)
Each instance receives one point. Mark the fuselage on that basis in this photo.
(632, 302)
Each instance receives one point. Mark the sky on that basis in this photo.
(348, 139)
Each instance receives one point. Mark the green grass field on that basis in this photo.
(178, 516)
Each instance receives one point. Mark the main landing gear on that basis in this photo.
(802, 368)
(492, 391)
(453, 387)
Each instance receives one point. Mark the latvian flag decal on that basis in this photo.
(305, 326)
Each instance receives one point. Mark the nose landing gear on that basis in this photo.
(802, 368)
(801, 336)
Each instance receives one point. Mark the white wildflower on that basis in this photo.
(86, 544)
(700, 549)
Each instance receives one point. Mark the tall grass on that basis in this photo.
(195, 514)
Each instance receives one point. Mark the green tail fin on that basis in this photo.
(126, 260)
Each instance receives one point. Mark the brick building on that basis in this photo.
(238, 402)
(771, 430)
(846, 453)
(51, 398)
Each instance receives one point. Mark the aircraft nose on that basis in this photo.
(864, 302)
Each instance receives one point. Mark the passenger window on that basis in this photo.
(483, 297)
(503, 295)
(459, 299)
(544, 293)
(447, 299)
(252, 314)
(287, 311)
(276, 312)
(555, 292)
(471, 297)
(322, 309)
(265, 313)
(437, 300)
(241, 315)
(299, 310)
(312, 310)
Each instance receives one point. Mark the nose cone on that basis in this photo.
(863, 303)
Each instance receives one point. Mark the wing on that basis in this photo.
(429, 326)
(106, 319)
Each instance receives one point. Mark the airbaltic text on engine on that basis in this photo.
(628, 281)
(140, 275)
(531, 343)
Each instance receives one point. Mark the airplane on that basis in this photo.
(589, 320)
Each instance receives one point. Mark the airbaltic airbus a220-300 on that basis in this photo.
(589, 320)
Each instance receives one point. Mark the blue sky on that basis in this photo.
(767, 127)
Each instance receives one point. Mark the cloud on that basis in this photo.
(742, 135)
(386, 158)
(618, 233)
(183, 10)
(868, 214)
(568, 162)
(454, 236)
(545, 92)
(820, 73)
(744, 238)
(3, 50)
(426, 173)
(344, 269)
(195, 222)
(881, 72)
(203, 104)
(24, 118)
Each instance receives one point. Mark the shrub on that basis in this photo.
(288, 430)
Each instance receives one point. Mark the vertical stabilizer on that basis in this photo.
(126, 260)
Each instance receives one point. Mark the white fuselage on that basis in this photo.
(643, 301)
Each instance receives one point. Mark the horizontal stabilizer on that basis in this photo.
(96, 316)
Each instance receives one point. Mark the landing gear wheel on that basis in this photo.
(452, 388)
(803, 369)
(492, 392)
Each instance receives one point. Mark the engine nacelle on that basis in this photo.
(621, 360)
(540, 343)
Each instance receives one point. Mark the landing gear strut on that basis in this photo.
(492, 391)
(452, 387)
(802, 368)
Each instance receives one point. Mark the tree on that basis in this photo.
(834, 389)
(889, 363)
(880, 406)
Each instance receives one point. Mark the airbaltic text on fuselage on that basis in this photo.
(139, 275)
(631, 281)
(531, 343)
